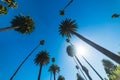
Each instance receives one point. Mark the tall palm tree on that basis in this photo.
(22, 24)
(68, 27)
(60, 77)
(53, 60)
(54, 69)
(93, 69)
(63, 10)
(42, 42)
(71, 52)
(42, 59)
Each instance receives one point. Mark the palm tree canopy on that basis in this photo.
(53, 59)
(71, 50)
(3, 10)
(79, 77)
(42, 42)
(115, 15)
(54, 68)
(62, 12)
(77, 67)
(67, 27)
(25, 23)
(42, 58)
(60, 77)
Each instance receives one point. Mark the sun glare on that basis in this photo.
(81, 50)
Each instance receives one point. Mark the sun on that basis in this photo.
(81, 50)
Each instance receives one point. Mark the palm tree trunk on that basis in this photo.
(39, 75)
(54, 75)
(93, 69)
(51, 76)
(68, 4)
(106, 52)
(23, 62)
(80, 69)
(8, 28)
(84, 68)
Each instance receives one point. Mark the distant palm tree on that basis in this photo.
(78, 68)
(62, 12)
(42, 59)
(71, 52)
(60, 77)
(11, 3)
(79, 77)
(115, 15)
(42, 42)
(22, 24)
(53, 61)
(3, 10)
(69, 27)
(54, 69)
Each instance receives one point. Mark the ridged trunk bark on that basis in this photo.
(23, 62)
(8, 28)
(106, 52)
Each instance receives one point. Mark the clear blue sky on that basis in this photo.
(95, 23)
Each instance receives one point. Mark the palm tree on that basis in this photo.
(53, 60)
(115, 15)
(78, 68)
(79, 77)
(22, 24)
(3, 10)
(69, 27)
(63, 10)
(11, 3)
(54, 69)
(42, 42)
(42, 59)
(71, 52)
(93, 69)
(60, 77)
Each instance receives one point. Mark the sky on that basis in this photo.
(94, 22)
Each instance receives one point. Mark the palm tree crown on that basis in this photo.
(42, 58)
(54, 69)
(67, 26)
(115, 15)
(25, 23)
(60, 77)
